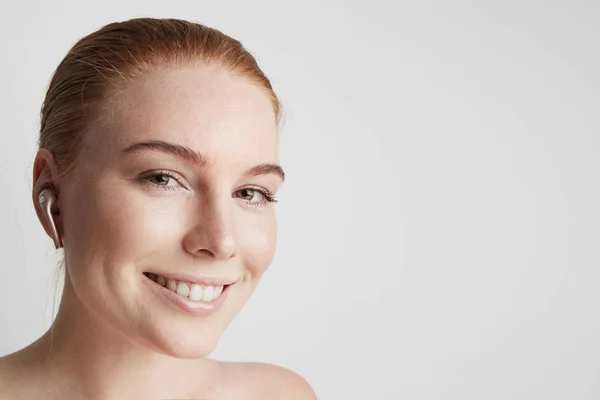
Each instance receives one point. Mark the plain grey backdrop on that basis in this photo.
(439, 227)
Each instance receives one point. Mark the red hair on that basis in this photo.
(100, 63)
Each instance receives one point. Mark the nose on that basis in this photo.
(213, 233)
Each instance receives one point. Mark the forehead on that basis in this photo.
(203, 107)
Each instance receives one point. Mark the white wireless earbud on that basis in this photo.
(48, 202)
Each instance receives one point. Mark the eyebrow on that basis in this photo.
(196, 157)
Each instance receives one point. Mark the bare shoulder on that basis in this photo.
(10, 378)
(5, 374)
(283, 381)
(268, 381)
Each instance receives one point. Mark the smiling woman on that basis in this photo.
(157, 172)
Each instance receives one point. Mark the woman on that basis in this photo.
(157, 170)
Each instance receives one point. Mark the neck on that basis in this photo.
(82, 354)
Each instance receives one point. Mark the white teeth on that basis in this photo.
(209, 292)
(183, 289)
(192, 291)
(196, 293)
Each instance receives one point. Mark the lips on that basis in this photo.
(177, 293)
(193, 291)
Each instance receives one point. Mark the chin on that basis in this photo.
(189, 347)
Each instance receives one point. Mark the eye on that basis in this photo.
(162, 180)
(252, 193)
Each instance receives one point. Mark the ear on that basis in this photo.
(45, 176)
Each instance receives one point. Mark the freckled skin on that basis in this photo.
(203, 225)
(118, 220)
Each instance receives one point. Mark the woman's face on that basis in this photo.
(125, 216)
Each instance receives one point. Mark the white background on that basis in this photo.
(439, 227)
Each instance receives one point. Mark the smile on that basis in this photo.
(193, 291)
(195, 297)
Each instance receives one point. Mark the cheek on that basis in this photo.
(108, 227)
(258, 241)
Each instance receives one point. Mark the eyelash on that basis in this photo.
(265, 193)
